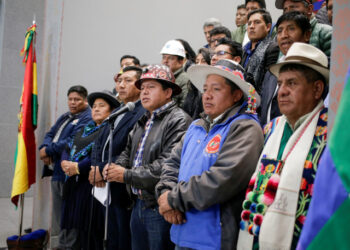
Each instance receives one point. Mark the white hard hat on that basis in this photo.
(173, 47)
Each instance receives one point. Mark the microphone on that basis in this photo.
(128, 107)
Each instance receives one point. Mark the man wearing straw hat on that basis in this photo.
(203, 181)
(280, 190)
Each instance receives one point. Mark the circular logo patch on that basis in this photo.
(213, 145)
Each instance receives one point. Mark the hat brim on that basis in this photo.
(198, 75)
(176, 88)
(112, 101)
(275, 69)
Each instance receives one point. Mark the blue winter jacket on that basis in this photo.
(54, 150)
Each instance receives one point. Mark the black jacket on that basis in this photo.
(99, 155)
(168, 128)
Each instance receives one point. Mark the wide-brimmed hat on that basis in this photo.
(279, 3)
(105, 95)
(160, 73)
(304, 54)
(226, 68)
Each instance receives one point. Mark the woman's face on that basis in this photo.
(100, 110)
(200, 60)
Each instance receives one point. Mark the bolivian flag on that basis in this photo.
(327, 224)
(25, 151)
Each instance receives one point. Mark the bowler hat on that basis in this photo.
(105, 95)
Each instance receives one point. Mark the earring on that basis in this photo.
(252, 101)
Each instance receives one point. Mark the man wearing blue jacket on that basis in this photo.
(53, 145)
(203, 181)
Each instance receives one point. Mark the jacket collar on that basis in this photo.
(178, 72)
(160, 115)
(205, 122)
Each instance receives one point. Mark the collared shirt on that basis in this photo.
(288, 132)
(249, 51)
(215, 120)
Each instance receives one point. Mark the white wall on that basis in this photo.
(97, 33)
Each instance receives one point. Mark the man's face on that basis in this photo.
(252, 6)
(76, 103)
(207, 30)
(127, 62)
(172, 62)
(330, 10)
(153, 96)
(257, 28)
(221, 51)
(289, 32)
(125, 86)
(296, 97)
(289, 6)
(241, 17)
(100, 110)
(217, 96)
(214, 39)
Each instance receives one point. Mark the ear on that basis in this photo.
(307, 36)
(237, 59)
(310, 8)
(318, 89)
(168, 93)
(237, 95)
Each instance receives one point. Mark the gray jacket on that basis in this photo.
(226, 181)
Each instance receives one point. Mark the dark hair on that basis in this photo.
(310, 75)
(299, 18)
(79, 89)
(190, 54)
(138, 71)
(220, 30)
(134, 59)
(205, 53)
(261, 3)
(241, 6)
(265, 14)
(235, 47)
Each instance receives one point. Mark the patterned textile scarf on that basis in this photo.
(263, 186)
(83, 141)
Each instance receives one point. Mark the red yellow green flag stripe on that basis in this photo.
(24, 175)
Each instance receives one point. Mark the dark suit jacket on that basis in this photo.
(120, 136)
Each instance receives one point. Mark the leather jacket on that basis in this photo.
(167, 130)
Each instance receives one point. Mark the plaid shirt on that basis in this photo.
(148, 127)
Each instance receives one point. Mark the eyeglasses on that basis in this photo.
(220, 53)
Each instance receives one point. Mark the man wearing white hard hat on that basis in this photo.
(203, 181)
(281, 189)
(174, 56)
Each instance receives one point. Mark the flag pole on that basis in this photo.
(21, 215)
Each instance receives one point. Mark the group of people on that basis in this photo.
(218, 150)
